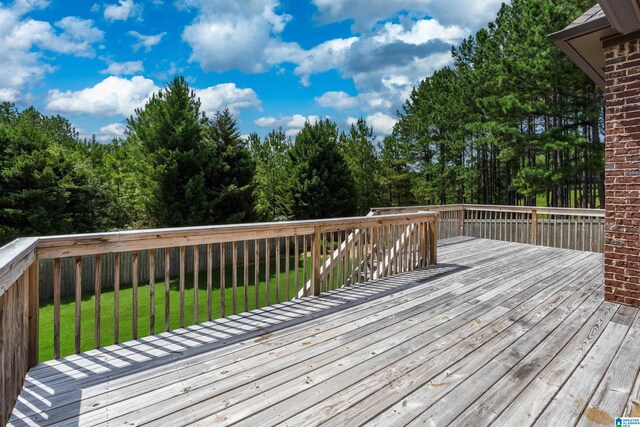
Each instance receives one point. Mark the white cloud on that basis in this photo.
(121, 11)
(343, 101)
(267, 122)
(112, 96)
(9, 95)
(228, 35)
(146, 41)
(365, 13)
(124, 68)
(292, 124)
(110, 131)
(421, 32)
(119, 96)
(380, 122)
(227, 95)
(24, 42)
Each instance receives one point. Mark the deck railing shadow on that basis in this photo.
(311, 258)
(66, 378)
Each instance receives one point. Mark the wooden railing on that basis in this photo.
(18, 319)
(287, 260)
(569, 228)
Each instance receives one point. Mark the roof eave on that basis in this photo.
(561, 39)
(624, 15)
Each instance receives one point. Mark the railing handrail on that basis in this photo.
(15, 258)
(99, 243)
(499, 208)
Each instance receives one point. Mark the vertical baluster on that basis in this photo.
(352, 257)
(234, 276)
(78, 301)
(245, 282)
(338, 263)
(400, 231)
(287, 266)
(56, 308)
(600, 235)
(116, 297)
(395, 241)
(412, 234)
(591, 234)
(562, 232)
(222, 279)
(278, 240)
(379, 251)
(134, 291)
(256, 269)
(152, 291)
(486, 224)
(304, 265)
(98, 290)
(167, 287)
(345, 269)
(583, 232)
(323, 257)
(400, 236)
(209, 281)
(267, 271)
(576, 221)
(296, 263)
(383, 251)
(360, 253)
(182, 274)
(366, 254)
(332, 266)
(196, 280)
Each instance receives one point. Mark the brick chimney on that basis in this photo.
(622, 169)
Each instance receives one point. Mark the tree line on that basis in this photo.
(512, 121)
(175, 167)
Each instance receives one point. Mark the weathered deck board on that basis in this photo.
(498, 332)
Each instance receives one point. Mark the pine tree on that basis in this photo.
(364, 165)
(322, 185)
(272, 179)
(171, 128)
(228, 172)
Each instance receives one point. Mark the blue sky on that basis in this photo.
(272, 62)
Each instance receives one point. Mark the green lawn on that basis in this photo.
(67, 309)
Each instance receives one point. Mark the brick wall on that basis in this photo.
(622, 170)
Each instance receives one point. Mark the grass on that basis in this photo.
(67, 307)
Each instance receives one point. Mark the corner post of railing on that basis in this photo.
(316, 262)
(533, 238)
(461, 214)
(34, 305)
(433, 241)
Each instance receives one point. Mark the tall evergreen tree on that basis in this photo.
(47, 185)
(364, 165)
(228, 172)
(273, 173)
(322, 185)
(171, 128)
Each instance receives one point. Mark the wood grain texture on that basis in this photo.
(495, 330)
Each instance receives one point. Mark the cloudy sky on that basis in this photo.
(272, 62)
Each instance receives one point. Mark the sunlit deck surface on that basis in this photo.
(502, 333)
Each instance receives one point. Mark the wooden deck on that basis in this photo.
(498, 333)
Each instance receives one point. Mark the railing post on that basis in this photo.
(533, 238)
(461, 214)
(34, 305)
(433, 242)
(316, 262)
